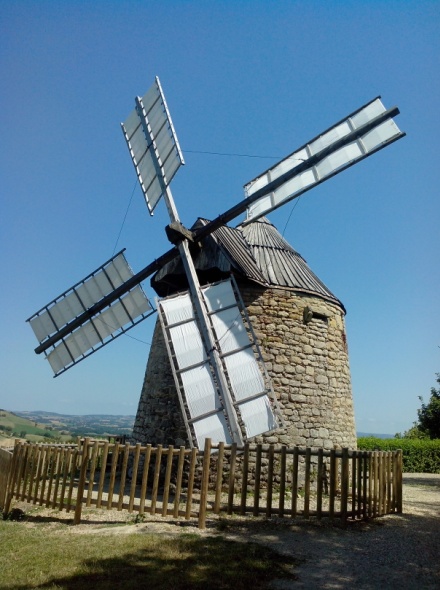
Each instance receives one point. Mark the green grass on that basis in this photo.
(53, 556)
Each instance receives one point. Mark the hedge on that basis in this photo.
(419, 455)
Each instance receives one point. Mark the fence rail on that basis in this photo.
(192, 483)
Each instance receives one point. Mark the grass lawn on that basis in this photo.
(41, 555)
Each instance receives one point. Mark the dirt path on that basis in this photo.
(401, 552)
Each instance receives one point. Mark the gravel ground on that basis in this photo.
(401, 552)
(391, 552)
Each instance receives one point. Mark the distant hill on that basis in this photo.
(40, 425)
(93, 425)
(13, 425)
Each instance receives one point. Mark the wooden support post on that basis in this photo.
(28, 462)
(399, 483)
(11, 479)
(205, 483)
(345, 479)
(180, 465)
(92, 474)
(135, 467)
(82, 481)
(67, 458)
(307, 483)
(295, 482)
(282, 480)
(219, 477)
(365, 475)
(72, 468)
(59, 463)
(333, 482)
(166, 485)
(269, 492)
(123, 475)
(354, 464)
(232, 464)
(319, 483)
(102, 474)
(144, 483)
(257, 480)
(389, 458)
(244, 481)
(189, 495)
(157, 467)
(46, 459)
(375, 481)
(51, 473)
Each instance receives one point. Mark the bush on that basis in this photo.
(419, 455)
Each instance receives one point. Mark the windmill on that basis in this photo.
(223, 386)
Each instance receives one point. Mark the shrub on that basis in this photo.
(419, 455)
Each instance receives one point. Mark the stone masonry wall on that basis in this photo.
(308, 364)
(159, 417)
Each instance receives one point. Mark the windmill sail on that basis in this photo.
(98, 328)
(203, 408)
(153, 144)
(360, 135)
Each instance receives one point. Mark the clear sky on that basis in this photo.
(242, 77)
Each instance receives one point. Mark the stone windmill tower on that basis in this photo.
(237, 305)
(300, 327)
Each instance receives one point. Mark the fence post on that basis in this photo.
(219, 476)
(345, 478)
(13, 466)
(399, 483)
(204, 483)
(333, 482)
(82, 481)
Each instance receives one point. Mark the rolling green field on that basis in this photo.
(36, 426)
(13, 426)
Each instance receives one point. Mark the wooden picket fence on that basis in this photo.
(191, 483)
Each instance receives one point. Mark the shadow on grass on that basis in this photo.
(186, 562)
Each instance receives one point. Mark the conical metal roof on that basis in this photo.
(256, 251)
(281, 265)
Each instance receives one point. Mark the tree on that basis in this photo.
(428, 425)
(429, 414)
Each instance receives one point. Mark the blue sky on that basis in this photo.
(251, 78)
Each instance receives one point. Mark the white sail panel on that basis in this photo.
(380, 135)
(257, 416)
(200, 390)
(245, 375)
(236, 348)
(81, 297)
(213, 427)
(193, 375)
(96, 332)
(329, 158)
(330, 137)
(178, 308)
(188, 344)
(153, 144)
(368, 113)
